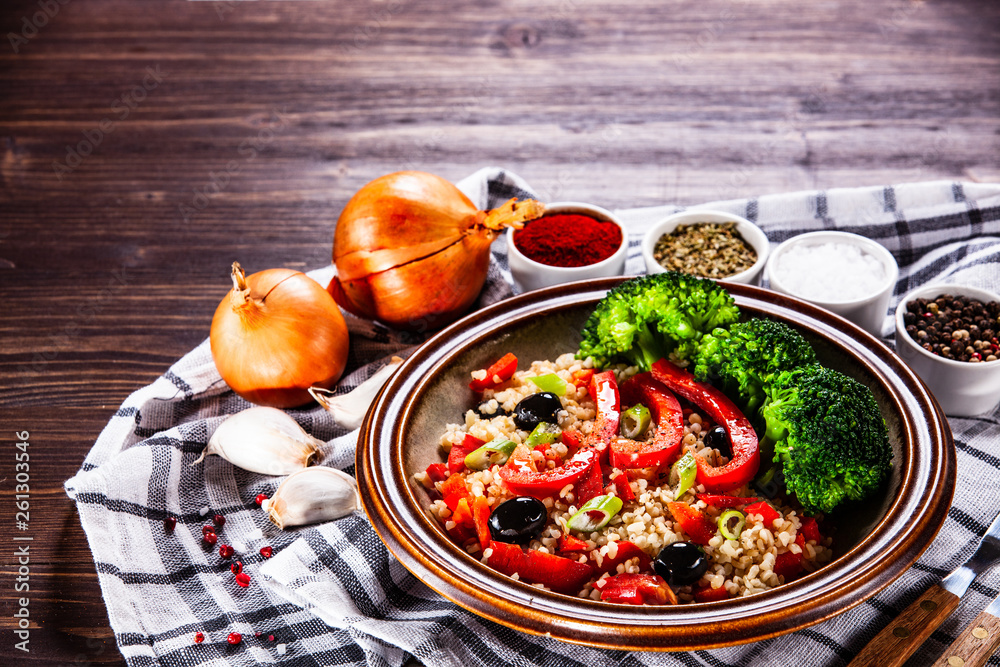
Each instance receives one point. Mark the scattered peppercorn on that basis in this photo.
(242, 579)
(260, 498)
(219, 520)
(210, 538)
(705, 249)
(266, 552)
(955, 327)
(236, 567)
(234, 638)
(226, 551)
(169, 524)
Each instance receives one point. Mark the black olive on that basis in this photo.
(537, 408)
(717, 438)
(681, 563)
(518, 520)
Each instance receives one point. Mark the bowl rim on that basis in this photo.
(940, 288)
(591, 210)
(874, 248)
(760, 243)
(928, 472)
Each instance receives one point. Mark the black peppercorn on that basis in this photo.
(955, 327)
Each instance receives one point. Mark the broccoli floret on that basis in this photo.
(828, 435)
(746, 358)
(645, 319)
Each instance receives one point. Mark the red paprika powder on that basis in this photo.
(568, 239)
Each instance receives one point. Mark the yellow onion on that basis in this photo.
(276, 334)
(412, 251)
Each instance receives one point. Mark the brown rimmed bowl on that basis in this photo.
(875, 542)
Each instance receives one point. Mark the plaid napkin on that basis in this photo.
(332, 595)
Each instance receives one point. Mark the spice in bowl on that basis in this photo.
(829, 272)
(568, 240)
(705, 249)
(955, 327)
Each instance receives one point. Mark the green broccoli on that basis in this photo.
(645, 319)
(828, 435)
(746, 358)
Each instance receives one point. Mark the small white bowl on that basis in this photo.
(750, 232)
(532, 275)
(962, 388)
(869, 311)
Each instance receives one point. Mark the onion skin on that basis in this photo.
(412, 251)
(278, 336)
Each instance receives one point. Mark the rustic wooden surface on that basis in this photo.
(111, 270)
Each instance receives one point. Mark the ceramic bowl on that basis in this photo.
(875, 542)
(750, 232)
(532, 275)
(962, 388)
(868, 312)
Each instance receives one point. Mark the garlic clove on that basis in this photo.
(313, 495)
(264, 440)
(349, 409)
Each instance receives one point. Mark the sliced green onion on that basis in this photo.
(550, 382)
(544, 434)
(686, 468)
(595, 513)
(635, 421)
(494, 452)
(724, 520)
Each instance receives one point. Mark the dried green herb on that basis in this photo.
(705, 249)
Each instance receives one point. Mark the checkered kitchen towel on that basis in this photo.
(332, 594)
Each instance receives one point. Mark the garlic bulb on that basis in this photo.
(349, 409)
(313, 495)
(264, 440)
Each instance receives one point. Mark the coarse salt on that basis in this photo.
(829, 272)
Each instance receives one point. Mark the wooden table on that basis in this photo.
(144, 146)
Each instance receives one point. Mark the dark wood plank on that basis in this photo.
(111, 270)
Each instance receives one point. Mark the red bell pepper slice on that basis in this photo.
(622, 487)
(626, 551)
(502, 370)
(571, 544)
(456, 457)
(523, 480)
(436, 472)
(637, 589)
(766, 511)
(604, 390)
(810, 530)
(709, 594)
(788, 564)
(697, 526)
(559, 574)
(454, 484)
(590, 485)
(464, 528)
(724, 502)
(481, 518)
(746, 450)
(581, 378)
(666, 412)
(571, 439)
(463, 514)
